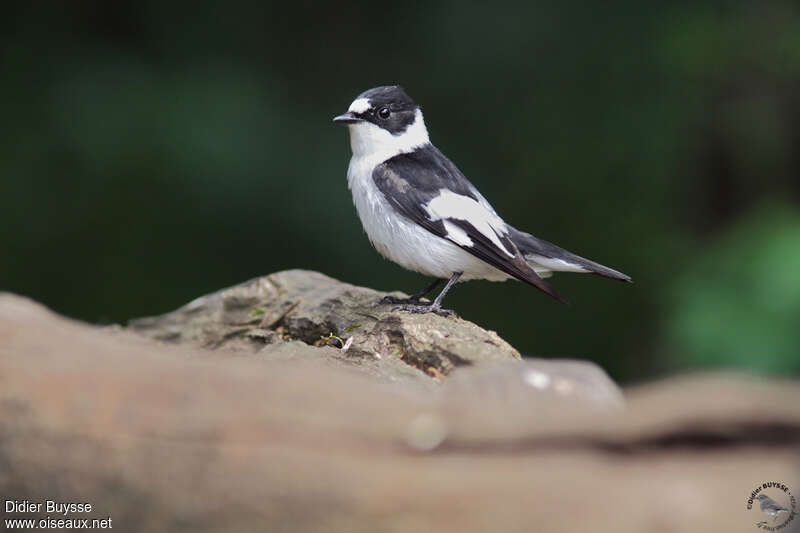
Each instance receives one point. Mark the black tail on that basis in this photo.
(530, 245)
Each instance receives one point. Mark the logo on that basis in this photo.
(774, 505)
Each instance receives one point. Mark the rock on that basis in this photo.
(262, 315)
(163, 436)
(307, 315)
(537, 381)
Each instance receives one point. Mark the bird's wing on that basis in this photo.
(427, 188)
(768, 503)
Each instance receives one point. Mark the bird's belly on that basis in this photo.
(407, 244)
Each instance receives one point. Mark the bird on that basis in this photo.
(419, 211)
(770, 507)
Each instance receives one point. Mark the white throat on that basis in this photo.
(370, 141)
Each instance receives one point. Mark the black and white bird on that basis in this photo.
(770, 507)
(419, 210)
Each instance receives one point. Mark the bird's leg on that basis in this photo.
(414, 299)
(436, 305)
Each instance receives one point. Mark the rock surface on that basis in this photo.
(307, 315)
(165, 436)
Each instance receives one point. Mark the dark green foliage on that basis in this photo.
(155, 151)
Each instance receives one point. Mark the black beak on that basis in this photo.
(347, 118)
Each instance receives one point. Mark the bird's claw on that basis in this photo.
(393, 300)
(425, 309)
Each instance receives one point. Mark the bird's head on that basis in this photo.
(384, 121)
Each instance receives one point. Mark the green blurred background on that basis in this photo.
(155, 151)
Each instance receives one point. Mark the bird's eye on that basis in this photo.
(384, 112)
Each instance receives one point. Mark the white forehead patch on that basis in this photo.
(359, 105)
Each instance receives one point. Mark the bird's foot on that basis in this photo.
(430, 308)
(393, 300)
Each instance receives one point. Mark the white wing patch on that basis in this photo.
(451, 205)
(359, 105)
(456, 234)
